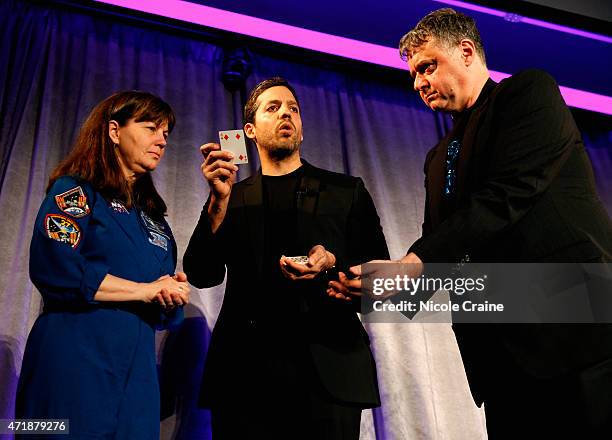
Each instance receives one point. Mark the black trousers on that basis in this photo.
(328, 421)
(283, 398)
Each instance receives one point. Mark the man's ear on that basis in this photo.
(249, 130)
(468, 51)
(113, 131)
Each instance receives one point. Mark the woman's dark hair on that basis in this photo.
(94, 160)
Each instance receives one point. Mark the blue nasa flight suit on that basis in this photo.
(87, 361)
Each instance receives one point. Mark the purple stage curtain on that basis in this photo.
(56, 64)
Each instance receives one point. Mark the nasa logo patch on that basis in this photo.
(119, 207)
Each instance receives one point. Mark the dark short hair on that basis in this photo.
(446, 26)
(93, 158)
(250, 108)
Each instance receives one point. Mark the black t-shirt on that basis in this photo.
(280, 233)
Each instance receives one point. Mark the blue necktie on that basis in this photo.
(452, 153)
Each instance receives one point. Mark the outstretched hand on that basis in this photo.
(319, 260)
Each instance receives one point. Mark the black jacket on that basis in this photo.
(525, 193)
(334, 210)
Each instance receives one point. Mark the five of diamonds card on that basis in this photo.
(233, 140)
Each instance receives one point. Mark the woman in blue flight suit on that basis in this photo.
(103, 258)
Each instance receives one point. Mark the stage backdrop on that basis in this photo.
(56, 65)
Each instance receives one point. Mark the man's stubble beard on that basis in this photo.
(282, 151)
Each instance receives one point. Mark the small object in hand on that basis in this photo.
(234, 141)
(302, 259)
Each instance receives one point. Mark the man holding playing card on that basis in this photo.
(285, 359)
(511, 183)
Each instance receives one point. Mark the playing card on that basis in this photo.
(302, 259)
(233, 140)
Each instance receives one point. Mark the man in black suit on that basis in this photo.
(285, 360)
(511, 182)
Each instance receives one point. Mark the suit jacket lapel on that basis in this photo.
(307, 201)
(436, 174)
(465, 165)
(436, 168)
(468, 155)
(465, 153)
(252, 198)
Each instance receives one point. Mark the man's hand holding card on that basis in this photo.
(220, 173)
(218, 169)
(220, 160)
(307, 268)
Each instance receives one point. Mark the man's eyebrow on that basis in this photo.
(279, 102)
(422, 63)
